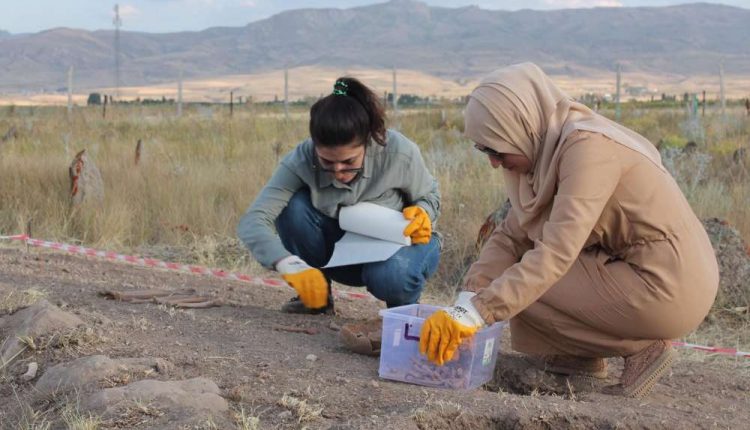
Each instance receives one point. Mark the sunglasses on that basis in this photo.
(488, 151)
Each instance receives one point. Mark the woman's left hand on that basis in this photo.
(420, 227)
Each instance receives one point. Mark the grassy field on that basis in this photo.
(199, 173)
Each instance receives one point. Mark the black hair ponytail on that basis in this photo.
(353, 112)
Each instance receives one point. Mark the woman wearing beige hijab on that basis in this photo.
(600, 256)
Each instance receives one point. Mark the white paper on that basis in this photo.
(373, 233)
(369, 219)
(354, 248)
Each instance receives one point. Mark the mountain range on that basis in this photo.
(451, 43)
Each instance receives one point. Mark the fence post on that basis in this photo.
(28, 232)
(617, 94)
(395, 94)
(286, 93)
(721, 89)
(179, 95)
(70, 91)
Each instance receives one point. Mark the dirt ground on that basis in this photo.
(270, 379)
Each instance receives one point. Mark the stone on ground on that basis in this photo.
(86, 372)
(39, 319)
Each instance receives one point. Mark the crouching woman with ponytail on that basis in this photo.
(349, 158)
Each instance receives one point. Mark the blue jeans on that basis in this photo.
(311, 235)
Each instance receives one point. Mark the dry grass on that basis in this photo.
(304, 411)
(13, 300)
(25, 417)
(74, 419)
(199, 173)
(134, 414)
(443, 410)
(245, 421)
(720, 332)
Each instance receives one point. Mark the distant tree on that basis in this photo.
(94, 99)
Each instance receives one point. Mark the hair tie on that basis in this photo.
(340, 88)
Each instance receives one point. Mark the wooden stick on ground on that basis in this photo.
(306, 330)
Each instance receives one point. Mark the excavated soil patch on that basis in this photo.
(289, 379)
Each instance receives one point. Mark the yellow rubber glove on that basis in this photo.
(309, 282)
(445, 330)
(420, 227)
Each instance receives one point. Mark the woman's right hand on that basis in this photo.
(444, 331)
(309, 282)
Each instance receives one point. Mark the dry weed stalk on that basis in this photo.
(245, 421)
(15, 300)
(76, 420)
(300, 408)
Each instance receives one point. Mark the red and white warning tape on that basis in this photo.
(712, 349)
(218, 273)
(178, 267)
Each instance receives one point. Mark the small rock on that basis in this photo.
(31, 372)
(374, 383)
(200, 396)
(311, 357)
(285, 415)
(163, 366)
(37, 320)
(342, 380)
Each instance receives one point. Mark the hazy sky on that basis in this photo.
(22, 16)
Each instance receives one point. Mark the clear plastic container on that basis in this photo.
(400, 360)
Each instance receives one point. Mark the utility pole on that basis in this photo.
(286, 92)
(721, 88)
(70, 91)
(179, 95)
(617, 94)
(118, 23)
(395, 94)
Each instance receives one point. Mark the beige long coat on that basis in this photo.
(612, 261)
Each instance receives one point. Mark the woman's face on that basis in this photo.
(344, 162)
(514, 162)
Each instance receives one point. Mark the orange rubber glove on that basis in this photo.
(420, 227)
(445, 330)
(309, 282)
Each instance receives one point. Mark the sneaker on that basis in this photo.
(363, 337)
(643, 369)
(571, 365)
(295, 306)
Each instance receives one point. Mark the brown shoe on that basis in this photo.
(572, 366)
(363, 337)
(643, 369)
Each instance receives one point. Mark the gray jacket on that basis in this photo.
(394, 176)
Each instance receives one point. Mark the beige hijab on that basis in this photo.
(518, 110)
